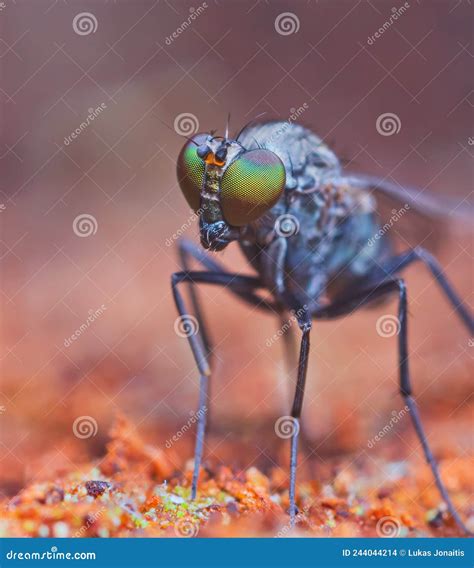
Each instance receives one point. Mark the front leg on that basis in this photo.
(243, 286)
(189, 251)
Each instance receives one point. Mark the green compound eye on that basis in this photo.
(190, 171)
(251, 185)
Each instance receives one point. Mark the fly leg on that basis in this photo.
(291, 362)
(401, 261)
(351, 304)
(187, 251)
(304, 322)
(244, 287)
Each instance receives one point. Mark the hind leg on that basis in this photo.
(349, 305)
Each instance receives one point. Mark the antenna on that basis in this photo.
(181, 135)
(227, 126)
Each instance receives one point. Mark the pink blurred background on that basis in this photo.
(121, 171)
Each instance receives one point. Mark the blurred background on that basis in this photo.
(90, 210)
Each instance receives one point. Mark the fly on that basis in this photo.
(312, 234)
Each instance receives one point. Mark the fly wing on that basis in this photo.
(415, 216)
(428, 205)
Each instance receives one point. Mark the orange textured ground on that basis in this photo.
(135, 490)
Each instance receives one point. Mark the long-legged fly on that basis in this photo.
(315, 240)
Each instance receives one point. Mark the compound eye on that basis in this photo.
(251, 185)
(190, 171)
